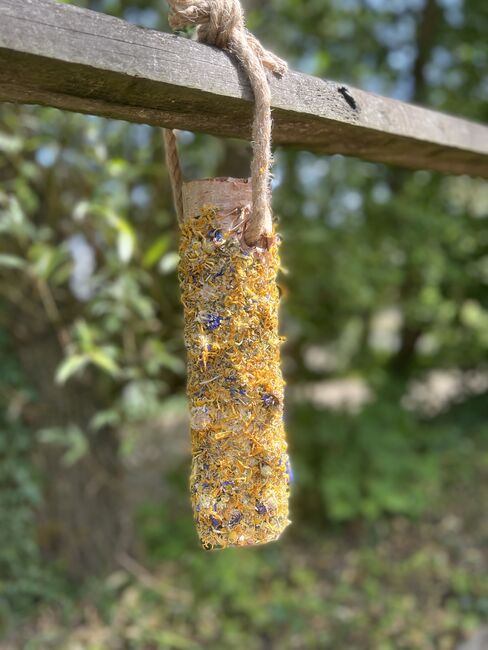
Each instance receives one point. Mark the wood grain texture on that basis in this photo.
(74, 59)
(225, 194)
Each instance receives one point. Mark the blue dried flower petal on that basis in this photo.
(289, 471)
(235, 519)
(261, 508)
(216, 523)
(269, 399)
(212, 321)
(216, 235)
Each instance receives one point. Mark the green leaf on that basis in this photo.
(126, 238)
(47, 259)
(13, 219)
(10, 143)
(169, 262)
(70, 366)
(76, 444)
(109, 417)
(85, 334)
(101, 359)
(157, 357)
(70, 438)
(126, 235)
(81, 209)
(171, 361)
(12, 261)
(125, 246)
(155, 251)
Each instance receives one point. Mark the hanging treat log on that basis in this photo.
(240, 469)
(229, 262)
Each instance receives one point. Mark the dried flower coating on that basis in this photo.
(240, 470)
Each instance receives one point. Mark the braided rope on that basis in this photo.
(174, 171)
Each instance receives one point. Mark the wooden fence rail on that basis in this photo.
(74, 59)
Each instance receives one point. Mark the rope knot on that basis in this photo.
(217, 20)
(221, 23)
(225, 19)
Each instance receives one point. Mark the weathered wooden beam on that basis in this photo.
(74, 59)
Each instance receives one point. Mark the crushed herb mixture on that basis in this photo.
(240, 471)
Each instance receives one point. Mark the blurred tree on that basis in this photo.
(86, 318)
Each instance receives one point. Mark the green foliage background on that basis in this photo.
(388, 548)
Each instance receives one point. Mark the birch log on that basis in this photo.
(240, 469)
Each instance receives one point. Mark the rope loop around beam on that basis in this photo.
(221, 23)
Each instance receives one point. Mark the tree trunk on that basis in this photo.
(82, 523)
